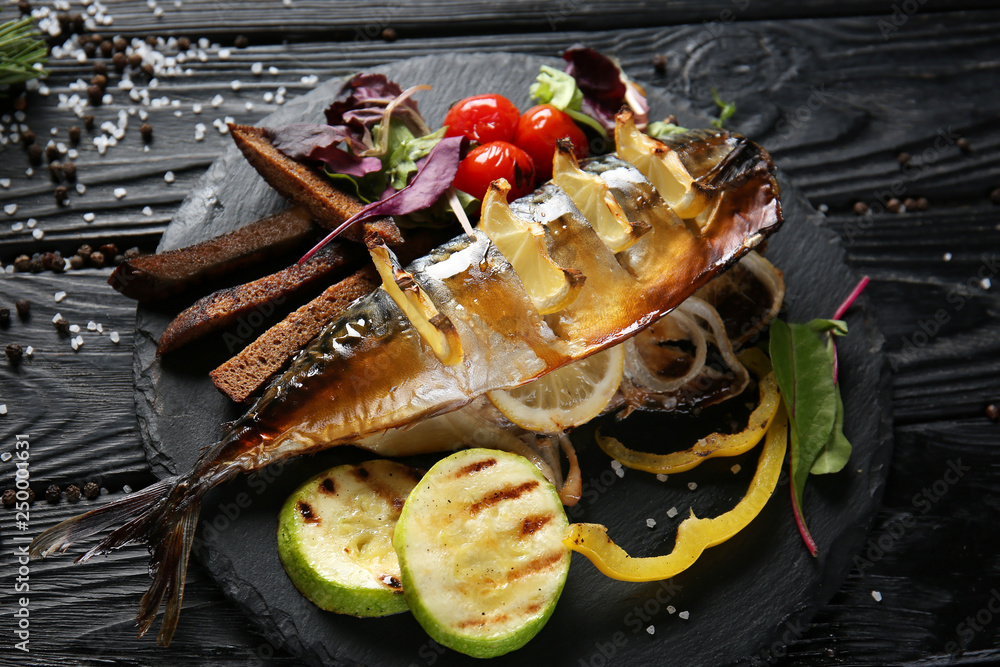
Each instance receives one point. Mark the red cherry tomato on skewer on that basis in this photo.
(497, 159)
(540, 128)
(483, 118)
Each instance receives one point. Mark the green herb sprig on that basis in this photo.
(805, 366)
(726, 109)
(20, 51)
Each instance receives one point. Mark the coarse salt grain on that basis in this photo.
(126, 489)
(986, 283)
(100, 328)
(257, 69)
(877, 595)
(671, 609)
(651, 523)
(195, 108)
(32, 223)
(76, 343)
(272, 70)
(235, 84)
(57, 316)
(29, 351)
(660, 477)
(147, 211)
(685, 615)
(120, 193)
(6, 456)
(217, 101)
(651, 629)
(736, 468)
(620, 472)
(947, 257)
(38, 234)
(10, 209)
(17, 226)
(4, 183)
(74, 328)
(3, 411)
(692, 485)
(89, 217)
(92, 326)
(114, 337)
(59, 296)
(81, 188)
(672, 512)
(616, 464)
(169, 177)
(224, 54)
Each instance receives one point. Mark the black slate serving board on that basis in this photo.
(743, 598)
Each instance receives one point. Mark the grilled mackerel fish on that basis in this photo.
(460, 322)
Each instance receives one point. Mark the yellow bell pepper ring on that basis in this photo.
(694, 535)
(714, 444)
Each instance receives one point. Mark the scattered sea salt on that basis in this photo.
(671, 609)
(147, 211)
(114, 337)
(81, 188)
(692, 485)
(195, 108)
(92, 326)
(76, 343)
(672, 512)
(660, 477)
(89, 217)
(235, 84)
(947, 257)
(224, 54)
(6, 456)
(651, 629)
(4, 183)
(126, 489)
(877, 595)
(120, 193)
(823, 208)
(986, 283)
(272, 70)
(32, 223)
(736, 468)
(29, 351)
(74, 328)
(651, 523)
(257, 69)
(620, 472)
(269, 97)
(57, 316)
(100, 328)
(169, 177)
(38, 234)
(17, 226)
(3, 411)
(685, 615)
(616, 464)
(217, 101)
(10, 209)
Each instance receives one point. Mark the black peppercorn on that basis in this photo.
(389, 34)
(183, 43)
(660, 63)
(992, 412)
(88, 121)
(51, 152)
(91, 490)
(100, 81)
(4, 317)
(101, 67)
(146, 131)
(107, 48)
(241, 42)
(84, 251)
(97, 259)
(35, 153)
(22, 263)
(72, 493)
(69, 171)
(27, 137)
(152, 40)
(90, 49)
(58, 264)
(120, 44)
(9, 498)
(47, 259)
(56, 171)
(76, 262)
(35, 265)
(135, 60)
(74, 135)
(21, 103)
(910, 203)
(95, 94)
(14, 353)
(109, 249)
(62, 195)
(860, 208)
(119, 61)
(79, 23)
(62, 326)
(52, 493)
(23, 307)
(964, 145)
(995, 196)
(96, 39)
(148, 70)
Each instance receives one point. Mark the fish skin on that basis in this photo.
(370, 371)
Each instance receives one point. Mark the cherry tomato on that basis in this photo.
(483, 118)
(497, 159)
(538, 131)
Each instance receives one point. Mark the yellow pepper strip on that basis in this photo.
(694, 535)
(714, 444)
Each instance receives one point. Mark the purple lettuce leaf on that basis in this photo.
(309, 141)
(606, 89)
(430, 182)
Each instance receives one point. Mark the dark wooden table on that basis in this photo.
(836, 90)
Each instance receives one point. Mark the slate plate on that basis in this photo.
(743, 599)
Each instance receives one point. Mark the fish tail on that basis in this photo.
(164, 516)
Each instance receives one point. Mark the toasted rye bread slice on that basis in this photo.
(244, 374)
(226, 306)
(306, 187)
(154, 277)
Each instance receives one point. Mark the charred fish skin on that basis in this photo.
(370, 370)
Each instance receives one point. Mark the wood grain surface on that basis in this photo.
(835, 99)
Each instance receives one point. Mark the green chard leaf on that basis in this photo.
(835, 327)
(837, 450)
(560, 90)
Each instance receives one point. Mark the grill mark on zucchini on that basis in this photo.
(475, 467)
(539, 564)
(510, 493)
(306, 510)
(534, 523)
(378, 487)
(327, 486)
(482, 622)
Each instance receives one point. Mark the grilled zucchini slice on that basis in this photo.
(335, 537)
(480, 549)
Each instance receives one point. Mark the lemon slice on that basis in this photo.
(568, 396)
(550, 286)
